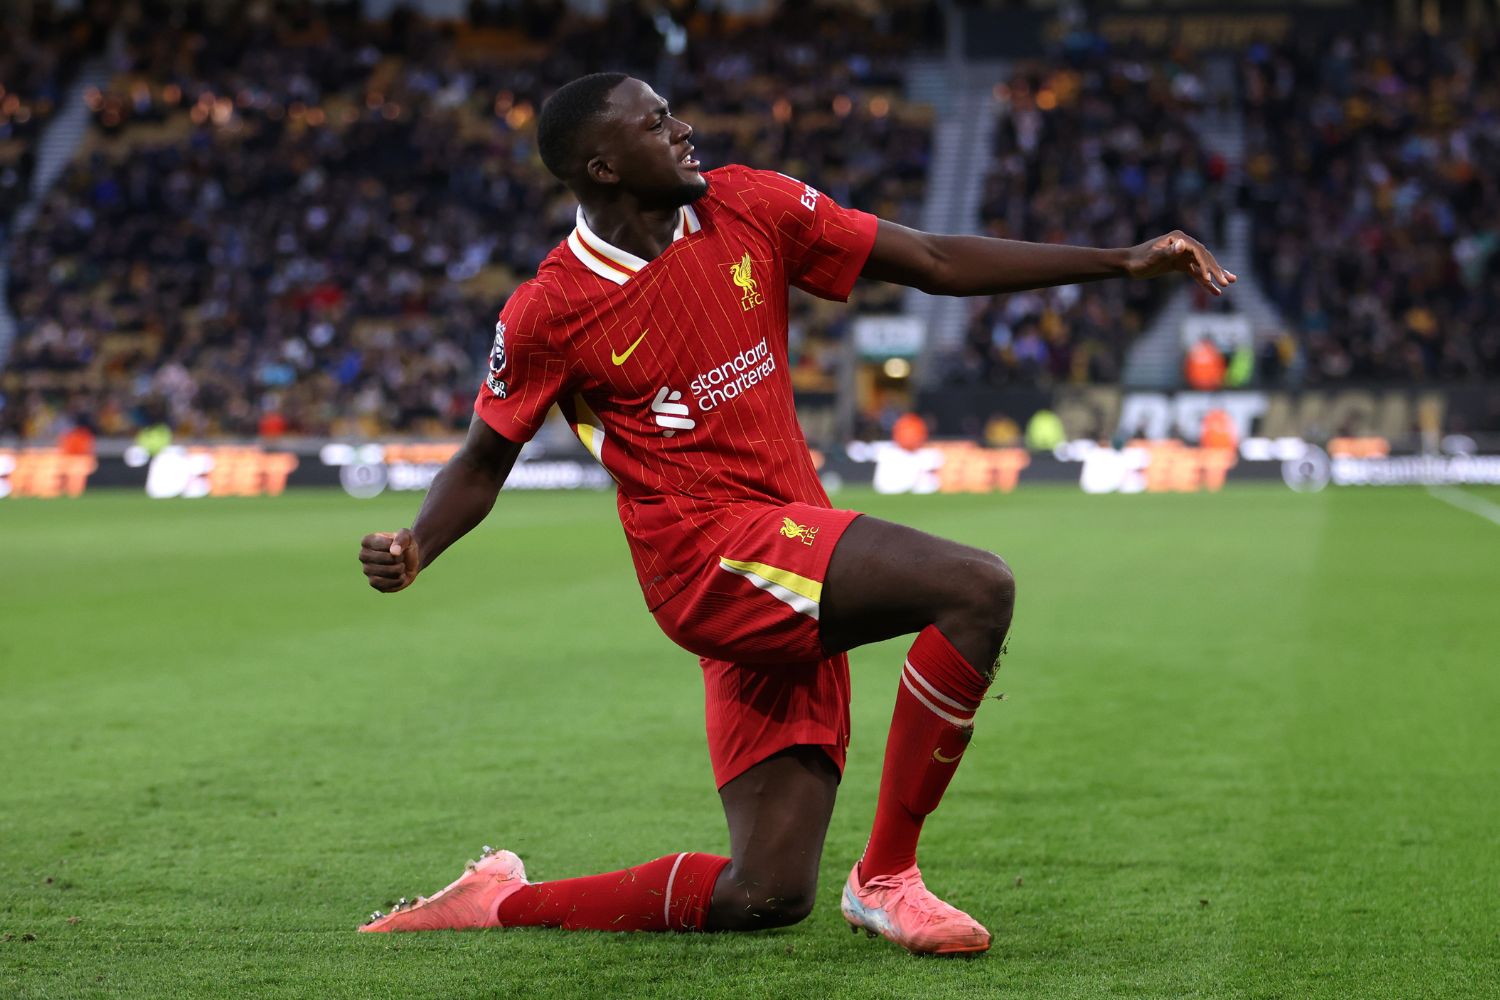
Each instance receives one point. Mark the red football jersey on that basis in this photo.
(673, 372)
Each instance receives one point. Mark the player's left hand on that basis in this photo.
(1177, 251)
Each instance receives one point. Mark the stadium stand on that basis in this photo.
(1095, 147)
(1388, 143)
(300, 222)
(36, 64)
(34, 67)
(293, 220)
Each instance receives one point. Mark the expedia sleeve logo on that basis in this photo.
(497, 363)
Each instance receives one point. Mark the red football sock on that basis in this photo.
(932, 724)
(668, 894)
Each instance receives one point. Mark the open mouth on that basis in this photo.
(687, 160)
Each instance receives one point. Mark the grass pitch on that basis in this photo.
(1249, 748)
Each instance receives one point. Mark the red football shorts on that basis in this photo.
(751, 615)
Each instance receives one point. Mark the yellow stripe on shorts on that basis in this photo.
(797, 592)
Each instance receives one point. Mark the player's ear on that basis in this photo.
(600, 171)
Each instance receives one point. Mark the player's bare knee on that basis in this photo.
(759, 901)
(990, 587)
(786, 898)
(1003, 583)
(772, 902)
(791, 907)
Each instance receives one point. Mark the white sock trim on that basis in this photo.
(934, 692)
(666, 906)
(962, 723)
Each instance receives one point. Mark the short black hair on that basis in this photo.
(565, 115)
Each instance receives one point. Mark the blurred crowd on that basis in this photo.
(1094, 147)
(36, 66)
(1373, 176)
(289, 220)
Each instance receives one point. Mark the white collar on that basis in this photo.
(612, 263)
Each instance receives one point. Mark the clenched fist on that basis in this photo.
(390, 561)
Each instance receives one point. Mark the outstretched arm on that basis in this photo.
(460, 497)
(978, 265)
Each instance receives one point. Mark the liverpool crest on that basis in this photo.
(741, 275)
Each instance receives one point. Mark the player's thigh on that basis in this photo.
(886, 580)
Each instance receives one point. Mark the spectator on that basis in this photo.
(1204, 366)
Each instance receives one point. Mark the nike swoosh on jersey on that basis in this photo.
(620, 359)
(937, 755)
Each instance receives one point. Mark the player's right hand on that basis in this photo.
(390, 560)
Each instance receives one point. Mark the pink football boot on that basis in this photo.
(472, 901)
(899, 908)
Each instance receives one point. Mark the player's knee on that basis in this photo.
(992, 589)
(776, 901)
(764, 900)
(792, 906)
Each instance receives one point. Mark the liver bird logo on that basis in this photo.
(792, 529)
(741, 275)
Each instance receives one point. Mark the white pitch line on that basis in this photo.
(1454, 497)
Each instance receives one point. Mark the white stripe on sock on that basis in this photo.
(951, 703)
(666, 907)
(962, 723)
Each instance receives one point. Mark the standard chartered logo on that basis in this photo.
(739, 374)
(713, 387)
(670, 413)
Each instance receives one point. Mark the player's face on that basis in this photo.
(648, 150)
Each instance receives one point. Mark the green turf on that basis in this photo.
(1249, 748)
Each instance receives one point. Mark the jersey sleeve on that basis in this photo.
(527, 372)
(824, 244)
